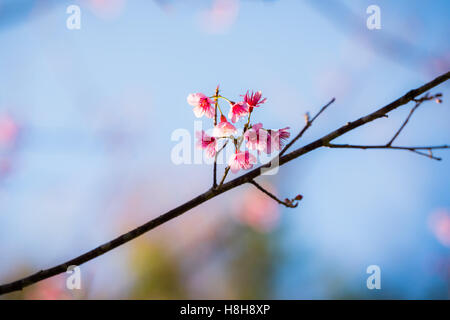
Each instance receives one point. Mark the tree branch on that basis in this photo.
(246, 178)
(412, 149)
(388, 145)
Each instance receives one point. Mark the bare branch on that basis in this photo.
(249, 176)
(418, 103)
(289, 203)
(215, 166)
(412, 149)
(308, 123)
(220, 150)
(388, 145)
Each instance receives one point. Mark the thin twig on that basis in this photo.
(225, 173)
(306, 127)
(388, 145)
(212, 193)
(403, 125)
(221, 148)
(427, 97)
(412, 149)
(290, 203)
(215, 161)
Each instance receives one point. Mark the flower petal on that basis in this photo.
(198, 111)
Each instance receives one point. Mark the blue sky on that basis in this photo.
(127, 78)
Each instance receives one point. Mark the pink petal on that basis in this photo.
(198, 112)
(211, 150)
(234, 164)
(210, 112)
(199, 134)
(194, 98)
(257, 126)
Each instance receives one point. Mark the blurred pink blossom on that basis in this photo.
(8, 130)
(439, 222)
(258, 211)
(220, 17)
(106, 9)
(5, 167)
(438, 64)
(50, 289)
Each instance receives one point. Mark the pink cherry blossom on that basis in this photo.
(283, 135)
(237, 111)
(241, 160)
(254, 99)
(202, 105)
(206, 142)
(277, 139)
(256, 137)
(224, 128)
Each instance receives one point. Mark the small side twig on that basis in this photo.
(289, 203)
(418, 102)
(215, 186)
(221, 148)
(412, 149)
(308, 124)
(417, 150)
(225, 173)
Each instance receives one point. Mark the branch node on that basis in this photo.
(307, 118)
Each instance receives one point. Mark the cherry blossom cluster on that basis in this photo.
(256, 137)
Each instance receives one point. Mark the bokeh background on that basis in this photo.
(86, 118)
